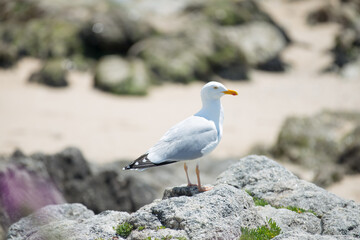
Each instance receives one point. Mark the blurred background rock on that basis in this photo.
(111, 77)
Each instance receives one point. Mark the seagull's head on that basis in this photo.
(215, 90)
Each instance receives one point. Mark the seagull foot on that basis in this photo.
(204, 188)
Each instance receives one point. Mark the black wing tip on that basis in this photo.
(143, 162)
(140, 163)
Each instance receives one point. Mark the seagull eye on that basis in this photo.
(215, 87)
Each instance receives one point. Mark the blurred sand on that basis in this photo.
(105, 127)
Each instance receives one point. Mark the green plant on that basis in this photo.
(263, 202)
(298, 210)
(262, 232)
(161, 227)
(124, 230)
(140, 228)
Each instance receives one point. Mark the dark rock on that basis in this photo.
(29, 183)
(24, 188)
(120, 76)
(52, 74)
(347, 42)
(113, 31)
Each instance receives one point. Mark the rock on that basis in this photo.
(306, 236)
(28, 183)
(346, 48)
(109, 189)
(117, 75)
(52, 74)
(342, 221)
(67, 221)
(8, 54)
(291, 221)
(218, 213)
(351, 70)
(350, 156)
(24, 188)
(257, 50)
(270, 181)
(174, 58)
(113, 31)
(318, 141)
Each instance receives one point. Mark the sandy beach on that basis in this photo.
(107, 127)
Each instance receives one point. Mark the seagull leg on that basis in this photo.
(187, 176)
(201, 189)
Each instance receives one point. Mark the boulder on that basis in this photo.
(67, 221)
(120, 76)
(53, 74)
(289, 220)
(28, 183)
(257, 50)
(326, 142)
(270, 181)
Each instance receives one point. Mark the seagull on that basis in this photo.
(192, 138)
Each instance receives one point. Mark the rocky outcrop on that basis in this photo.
(28, 183)
(223, 212)
(68, 221)
(327, 142)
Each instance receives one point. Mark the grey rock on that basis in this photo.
(296, 235)
(342, 221)
(157, 234)
(120, 76)
(256, 50)
(291, 221)
(219, 213)
(67, 221)
(269, 180)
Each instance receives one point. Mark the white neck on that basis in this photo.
(213, 111)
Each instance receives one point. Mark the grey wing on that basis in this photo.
(185, 141)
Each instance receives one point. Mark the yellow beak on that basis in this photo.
(231, 92)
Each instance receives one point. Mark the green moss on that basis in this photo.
(263, 202)
(140, 228)
(161, 227)
(124, 230)
(261, 233)
(298, 210)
